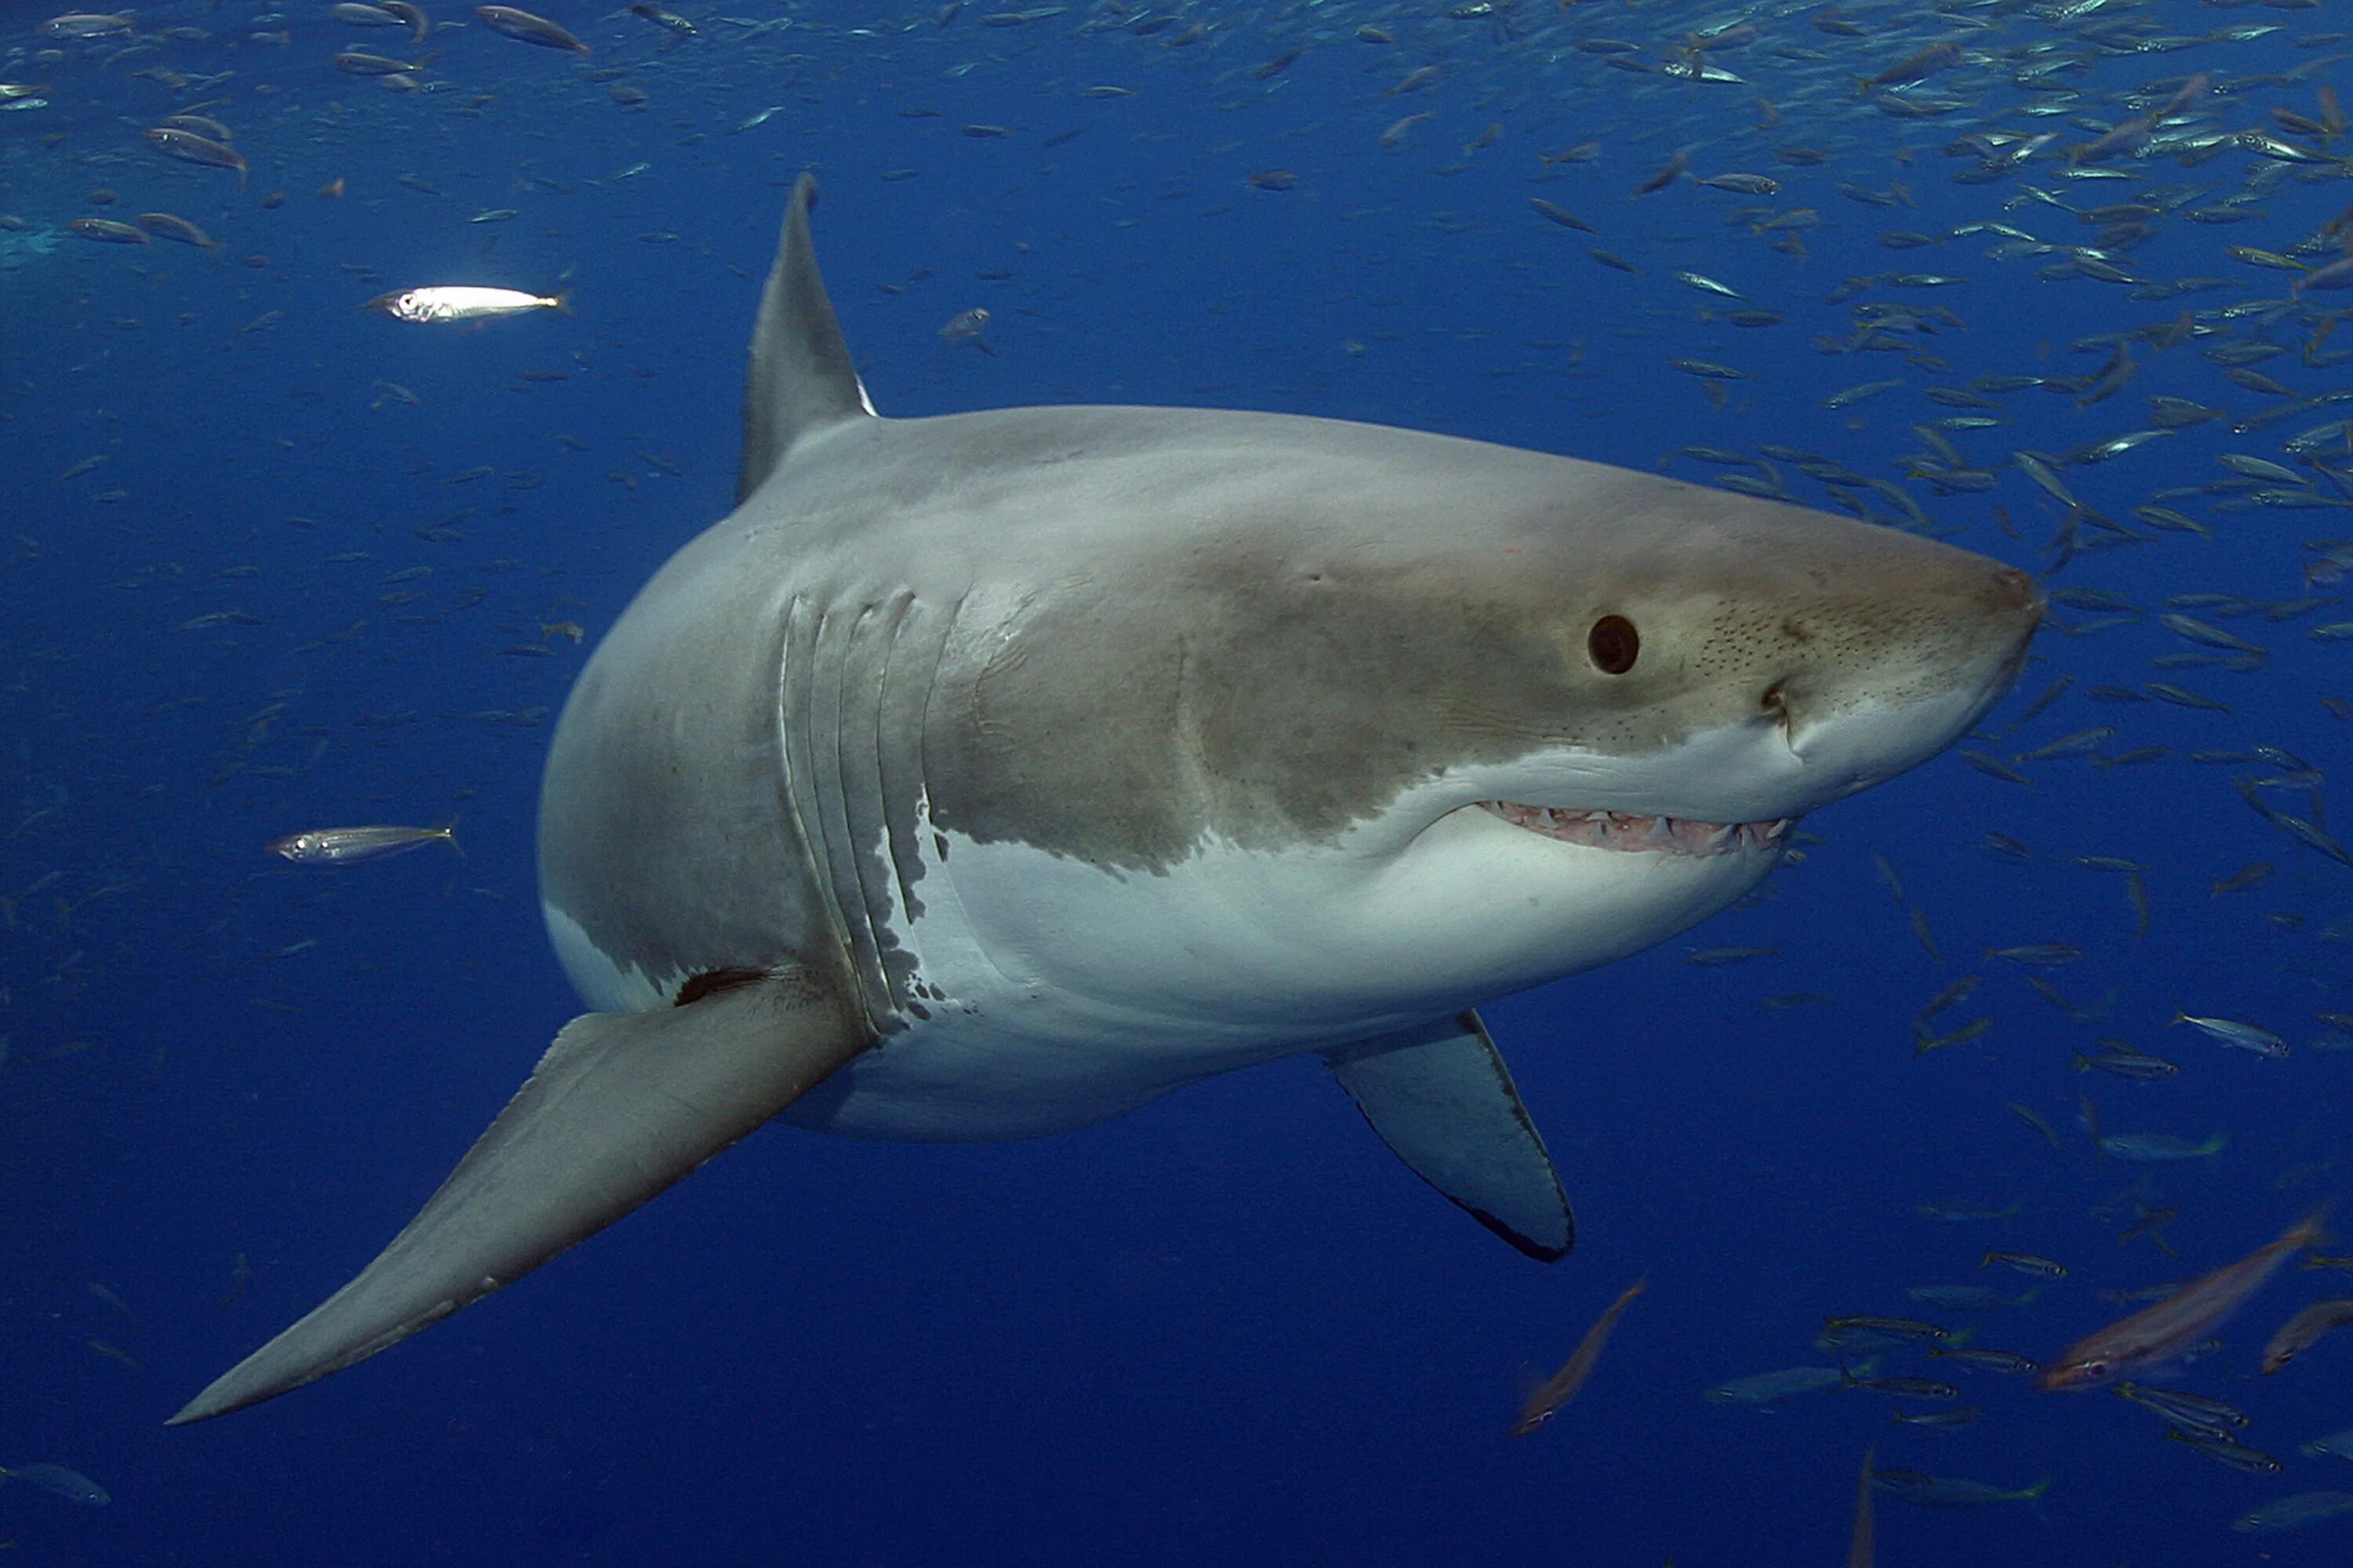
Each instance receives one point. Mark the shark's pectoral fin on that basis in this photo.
(1441, 1097)
(620, 1107)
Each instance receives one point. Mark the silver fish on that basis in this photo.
(342, 846)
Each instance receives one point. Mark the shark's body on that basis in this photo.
(1071, 777)
(988, 775)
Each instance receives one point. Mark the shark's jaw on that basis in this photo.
(1639, 834)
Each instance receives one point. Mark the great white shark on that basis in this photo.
(987, 776)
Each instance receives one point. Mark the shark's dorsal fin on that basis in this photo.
(801, 377)
(1441, 1097)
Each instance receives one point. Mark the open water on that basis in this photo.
(270, 561)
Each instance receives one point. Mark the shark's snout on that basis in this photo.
(2019, 597)
(1946, 641)
(1999, 620)
(2015, 589)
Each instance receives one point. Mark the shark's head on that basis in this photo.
(1409, 721)
(1690, 673)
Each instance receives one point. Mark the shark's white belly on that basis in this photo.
(1017, 1041)
(1056, 994)
(1003, 1046)
(1004, 1069)
(1001, 1051)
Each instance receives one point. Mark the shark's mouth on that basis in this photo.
(1625, 830)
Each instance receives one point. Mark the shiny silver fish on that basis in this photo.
(462, 303)
(2239, 1036)
(342, 846)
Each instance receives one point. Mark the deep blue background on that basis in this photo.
(1230, 1326)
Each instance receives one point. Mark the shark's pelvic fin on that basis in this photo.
(621, 1105)
(1442, 1098)
(802, 377)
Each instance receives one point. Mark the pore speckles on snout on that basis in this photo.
(1763, 643)
(1735, 643)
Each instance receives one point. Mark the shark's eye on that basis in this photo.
(1613, 645)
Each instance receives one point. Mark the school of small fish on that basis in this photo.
(2165, 187)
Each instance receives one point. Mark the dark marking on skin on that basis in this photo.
(1527, 1245)
(711, 981)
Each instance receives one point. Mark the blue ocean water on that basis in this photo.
(319, 570)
